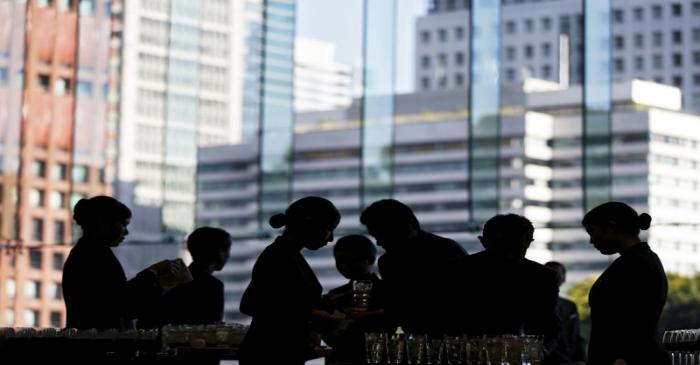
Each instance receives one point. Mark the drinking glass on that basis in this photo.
(454, 349)
(376, 347)
(360, 293)
(435, 351)
(397, 349)
(417, 347)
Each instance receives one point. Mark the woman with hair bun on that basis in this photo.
(627, 299)
(95, 289)
(284, 292)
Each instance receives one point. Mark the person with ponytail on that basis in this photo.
(95, 289)
(284, 292)
(627, 299)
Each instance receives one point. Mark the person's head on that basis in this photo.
(612, 224)
(103, 219)
(389, 221)
(508, 236)
(311, 219)
(354, 256)
(209, 246)
(559, 269)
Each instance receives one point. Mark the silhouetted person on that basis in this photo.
(410, 264)
(201, 301)
(570, 347)
(95, 289)
(627, 299)
(284, 293)
(498, 291)
(354, 258)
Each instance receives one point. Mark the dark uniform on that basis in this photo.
(626, 303)
(570, 346)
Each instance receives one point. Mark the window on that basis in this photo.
(619, 16)
(459, 58)
(619, 42)
(442, 82)
(57, 200)
(658, 61)
(87, 7)
(657, 12)
(80, 173)
(37, 229)
(677, 9)
(677, 37)
(459, 79)
(425, 83)
(639, 63)
(10, 317)
(459, 33)
(510, 74)
(696, 7)
(638, 13)
(55, 291)
(510, 27)
(35, 259)
(529, 26)
(59, 232)
(696, 35)
(58, 261)
(56, 319)
(546, 23)
(528, 51)
(657, 38)
(510, 53)
(677, 59)
(678, 81)
(42, 82)
(44, 3)
(619, 65)
(65, 5)
(639, 40)
(425, 62)
(442, 59)
(62, 87)
(442, 34)
(32, 289)
(10, 288)
(3, 76)
(38, 168)
(31, 318)
(84, 88)
(696, 79)
(425, 36)
(36, 198)
(696, 58)
(546, 49)
(546, 71)
(659, 79)
(59, 172)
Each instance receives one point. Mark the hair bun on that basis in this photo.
(644, 221)
(82, 211)
(278, 220)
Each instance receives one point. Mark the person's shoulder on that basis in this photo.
(443, 243)
(539, 270)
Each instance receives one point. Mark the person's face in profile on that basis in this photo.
(603, 239)
(113, 233)
(351, 265)
(319, 235)
(387, 236)
(222, 258)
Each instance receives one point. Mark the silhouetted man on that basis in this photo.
(410, 263)
(498, 291)
(570, 347)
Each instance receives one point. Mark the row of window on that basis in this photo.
(31, 318)
(678, 141)
(657, 39)
(657, 12)
(32, 290)
(61, 86)
(57, 199)
(36, 259)
(59, 171)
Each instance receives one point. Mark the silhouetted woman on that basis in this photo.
(284, 291)
(627, 299)
(95, 289)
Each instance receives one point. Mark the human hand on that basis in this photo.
(171, 273)
(620, 362)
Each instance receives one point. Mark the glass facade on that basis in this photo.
(276, 113)
(597, 98)
(378, 99)
(484, 115)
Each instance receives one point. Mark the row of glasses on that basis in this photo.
(454, 350)
(684, 346)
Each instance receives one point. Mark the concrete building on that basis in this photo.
(540, 170)
(320, 83)
(53, 133)
(651, 40)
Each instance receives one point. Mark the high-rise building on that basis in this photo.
(180, 82)
(53, 134)
(650, 40)
(320, 83)
(540, 170)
